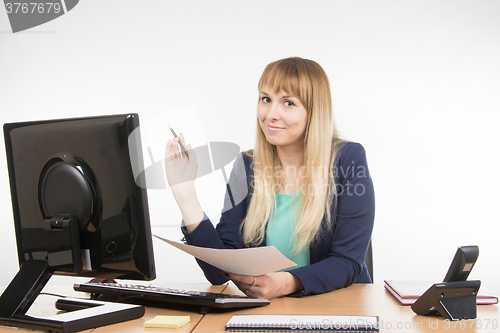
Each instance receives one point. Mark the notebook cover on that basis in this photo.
(407, 292)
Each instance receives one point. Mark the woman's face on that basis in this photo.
(282, 118)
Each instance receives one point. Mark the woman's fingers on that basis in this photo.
(250, 285)
(190, 152)
(179, 168)
(177, 149)
(169, 151)
(247, 279)
(183, 141)
(172, 150)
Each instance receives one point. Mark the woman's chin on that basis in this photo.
(274, 142)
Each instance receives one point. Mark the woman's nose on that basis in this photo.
(273, 112)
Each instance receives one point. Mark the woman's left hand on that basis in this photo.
(266, 286)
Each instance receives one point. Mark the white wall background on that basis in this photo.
(416, 82)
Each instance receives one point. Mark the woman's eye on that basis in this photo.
(265, 99)
(289, 103)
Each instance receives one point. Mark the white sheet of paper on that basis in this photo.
(253, 261)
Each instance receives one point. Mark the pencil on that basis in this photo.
(180, 143)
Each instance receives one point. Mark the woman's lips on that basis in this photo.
(274, 129)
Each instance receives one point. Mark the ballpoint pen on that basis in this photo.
(180, 143)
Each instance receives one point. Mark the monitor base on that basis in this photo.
(81, 314)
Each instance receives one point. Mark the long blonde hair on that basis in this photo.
(306, 80)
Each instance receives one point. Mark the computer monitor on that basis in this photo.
(77, 207)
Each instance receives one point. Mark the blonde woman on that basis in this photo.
(302, 189)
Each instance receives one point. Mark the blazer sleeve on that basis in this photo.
(344, 260)
(226, 234)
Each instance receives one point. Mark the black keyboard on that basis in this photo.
(170, 295)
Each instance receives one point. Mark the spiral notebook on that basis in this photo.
(302, 323)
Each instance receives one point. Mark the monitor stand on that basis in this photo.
(81, 314)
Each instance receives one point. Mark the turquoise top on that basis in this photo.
(281, 225)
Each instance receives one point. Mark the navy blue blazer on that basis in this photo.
(338, 257)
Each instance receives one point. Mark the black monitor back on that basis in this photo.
(80, 169)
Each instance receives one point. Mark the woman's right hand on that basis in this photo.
(181, 171)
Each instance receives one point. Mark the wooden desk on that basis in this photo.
(367, 300)
(173, 309)
(358, 299)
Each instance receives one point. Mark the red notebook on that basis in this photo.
(407, 292)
